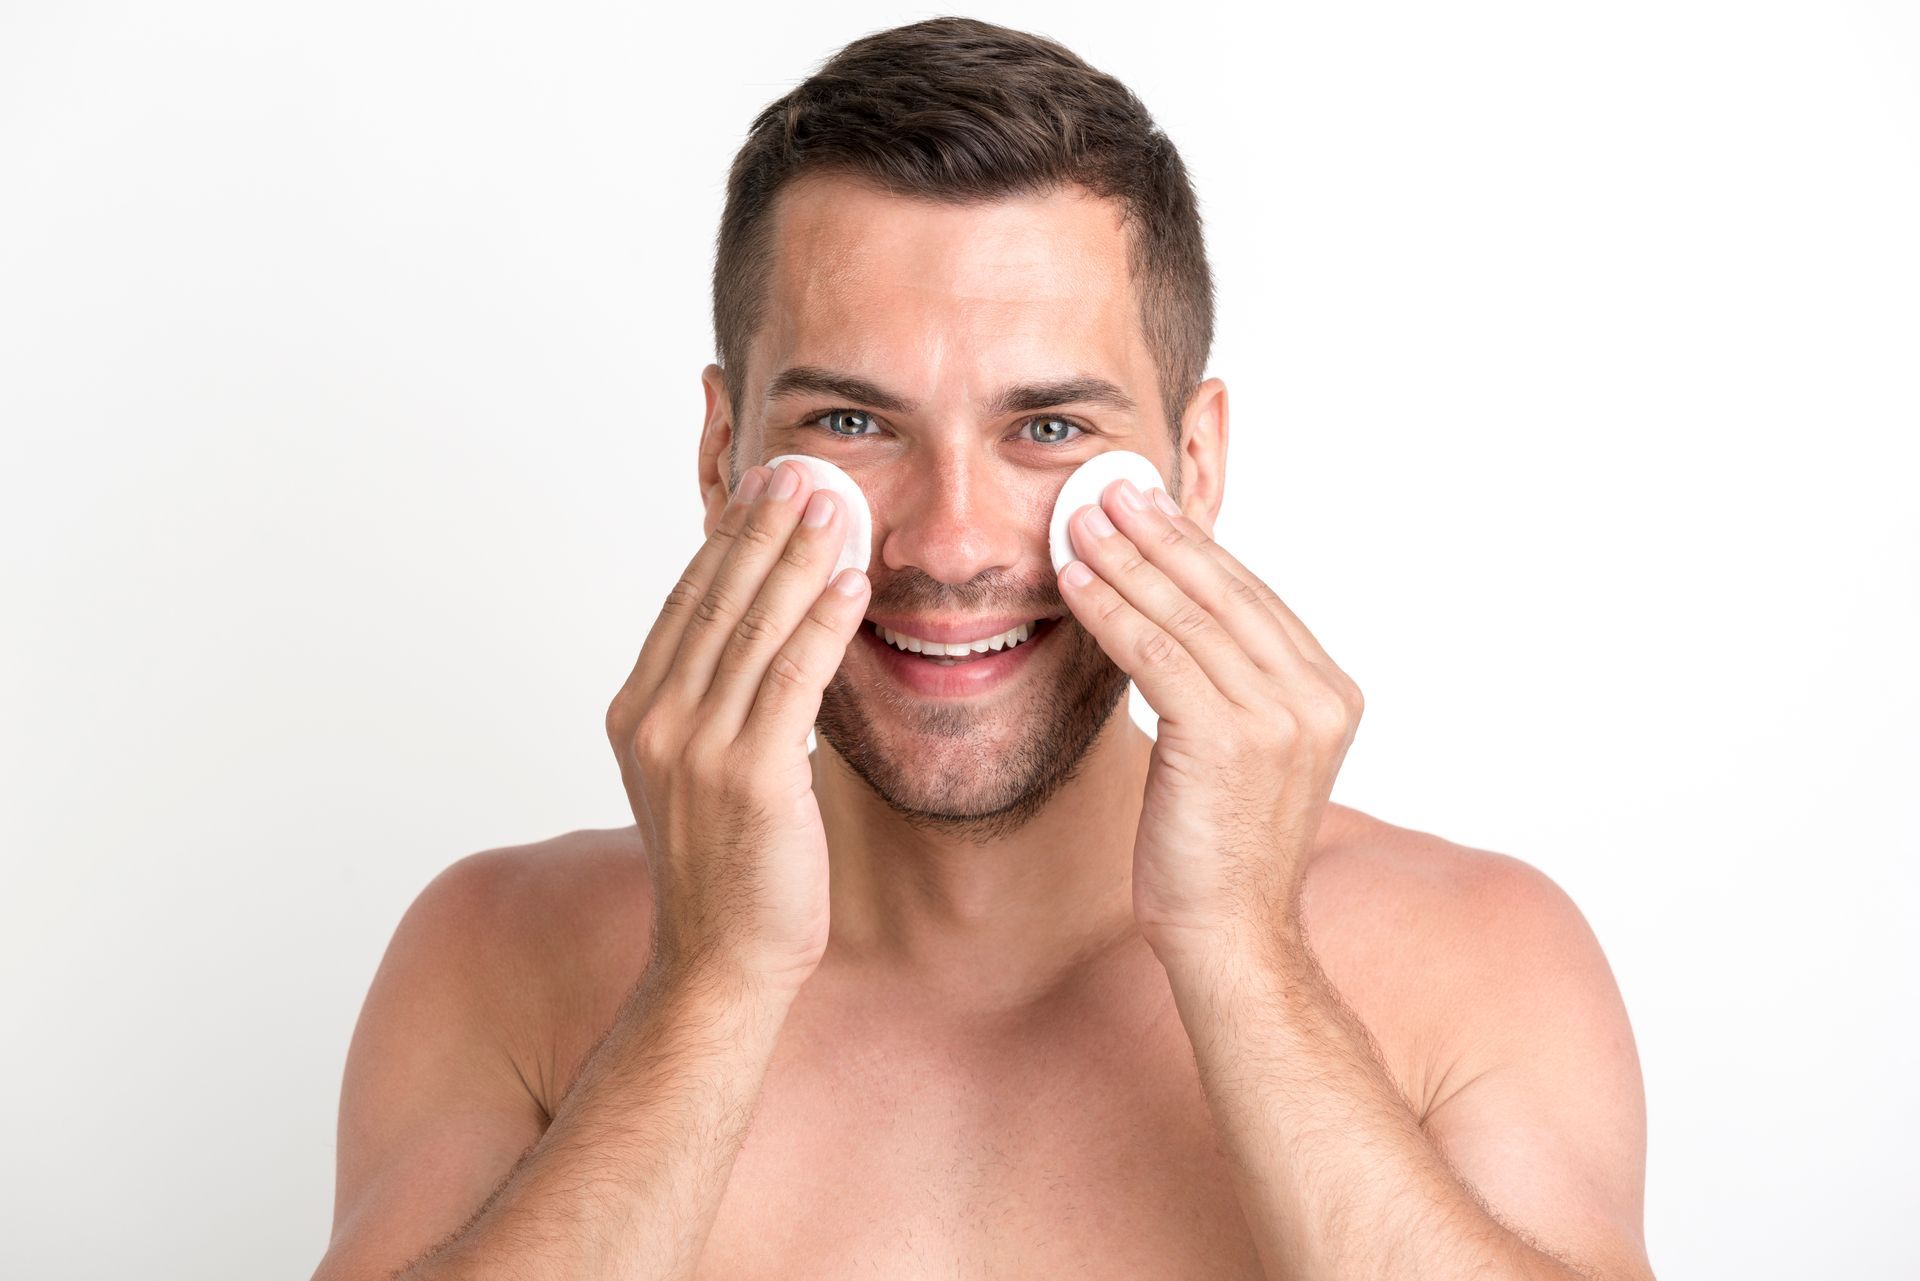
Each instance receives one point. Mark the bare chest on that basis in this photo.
(1073, 1145)
(892, 1140)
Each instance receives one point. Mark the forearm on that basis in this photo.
(1335, 1175)
(627, 1178)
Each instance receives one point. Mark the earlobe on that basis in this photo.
(716, 503)
(715, 492)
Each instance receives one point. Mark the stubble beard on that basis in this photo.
(945, 776)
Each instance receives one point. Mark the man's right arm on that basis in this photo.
(710, 734)
(627, 1177)
(626, 1181)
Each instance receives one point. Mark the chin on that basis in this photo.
(973, 773)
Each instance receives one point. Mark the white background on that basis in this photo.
(349, 380)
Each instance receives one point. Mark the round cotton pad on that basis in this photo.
(857, 551)
(1084, 487)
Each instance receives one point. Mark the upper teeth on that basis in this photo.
(954, 649)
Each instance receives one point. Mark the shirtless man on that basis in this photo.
(991, 984)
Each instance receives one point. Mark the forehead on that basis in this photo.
(950, 301)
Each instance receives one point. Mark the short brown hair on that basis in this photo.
(959, 110)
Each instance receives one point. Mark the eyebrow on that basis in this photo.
(1019, 398)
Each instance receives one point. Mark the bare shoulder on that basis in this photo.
(574, 896)
(1457, 947)
(448, 1078)
(563, 925)
(1518, 1057)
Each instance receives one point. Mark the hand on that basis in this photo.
(711, 734)
(1255, 720)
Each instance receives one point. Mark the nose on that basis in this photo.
(954, 516)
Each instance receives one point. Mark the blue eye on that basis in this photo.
(865, 420)
(1052, 439)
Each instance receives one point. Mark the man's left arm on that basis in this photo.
(1336, 1174)
(1531, 1165)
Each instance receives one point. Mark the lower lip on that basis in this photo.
(961, 680)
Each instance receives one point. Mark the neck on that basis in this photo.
(991, 923)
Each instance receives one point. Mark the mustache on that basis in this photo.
(997, 592)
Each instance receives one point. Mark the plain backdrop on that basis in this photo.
(349, 364)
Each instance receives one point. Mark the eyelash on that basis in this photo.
(818, 414)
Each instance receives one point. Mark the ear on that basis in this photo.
(1203, 454)
(716, 445)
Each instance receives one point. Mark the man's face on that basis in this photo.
(942, 310)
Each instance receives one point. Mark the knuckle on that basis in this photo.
(684, 596)
(758, 534)
(1169, 535)
(755, 627)
(1328, 716)
(787, 673)
(1156, 648)
(813, 620)
(651, 738)
(616, 719)
(1241, 592)
(1189, 620)
(714, 607)
(800, 553)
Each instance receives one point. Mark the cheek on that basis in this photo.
(1033, 504)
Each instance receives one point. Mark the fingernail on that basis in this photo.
(786, 481)
(1097, 522)
(1131, 496)
(750, 485)
(849, 582)
(819, 509)
(1077, 574)
(1164, 501)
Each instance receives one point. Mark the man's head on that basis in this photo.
(958, 262)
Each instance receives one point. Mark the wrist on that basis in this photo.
(1232, 954)
(718, 986)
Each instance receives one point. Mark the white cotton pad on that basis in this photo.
(1084, 487)
(857, 551)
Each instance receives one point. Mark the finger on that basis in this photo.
(1237, 604)
(754, 550)
(663, 638)
(791, 587)
(788, 699)
(1295, 629)
(1159, 601)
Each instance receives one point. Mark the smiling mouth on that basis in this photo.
(952, 654)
